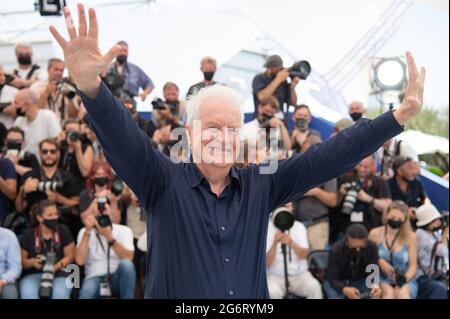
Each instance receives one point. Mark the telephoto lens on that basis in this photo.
(117, 187)
(48, 274)
(102, 219)
(350, 198)
(50, 186)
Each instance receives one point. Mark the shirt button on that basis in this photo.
(222, 228)
(227, 260)
(231, 292)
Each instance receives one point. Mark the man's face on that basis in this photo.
(408, 170)
(23, 103)
(21, 51)
(267, 109)
(356, 244)
(123, 50)
(55, 72)
(214, 138)
(208, 67)
(49, 155)
(356, 107)
(302, 113)
(396, 214)
(365, 168)
(171, 94)
(273, 71)
(2, 76)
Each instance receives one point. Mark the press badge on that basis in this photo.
(105, 289)
(357, 217)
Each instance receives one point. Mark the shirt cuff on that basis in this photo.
(96, 104)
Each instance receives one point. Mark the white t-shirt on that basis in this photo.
(45, 125)
(39, 74)
(296, 266)
(7, 95)
(96, 262)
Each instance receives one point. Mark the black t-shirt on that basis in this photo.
(69, 189)
(413, 197)
(28, 244)
(282, 92)
(68, 162)
(378, 188)
(147, 126)
(194, 89)
(29, 160)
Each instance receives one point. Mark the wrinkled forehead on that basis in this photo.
(220, 112)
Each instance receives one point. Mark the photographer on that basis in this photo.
(302, 118)
(313, 208)
(77, 154)
(347, 264)
(301, 282)
(432, 240)
(92, 139)
(26, 73)
(273, 83)
(23, 161)
(48, 244)
(147, 126)
(7, 93)
(38, 124)
(55, 93)
(125, 78)
(49, 182)
(259, 128)
(171, 109)
(10, 264)
(397, 249)
(8, 186)
(100, 183)
(106, 251)
(389, 152)
(208, 67)
(372, 196)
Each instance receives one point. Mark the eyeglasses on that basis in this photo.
(45, 151)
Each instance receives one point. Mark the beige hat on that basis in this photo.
(426, 214)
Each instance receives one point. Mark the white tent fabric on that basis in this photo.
(425, 143)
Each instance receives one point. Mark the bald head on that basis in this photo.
(27, 100)
(356, 110)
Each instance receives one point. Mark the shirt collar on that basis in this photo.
(195, 177)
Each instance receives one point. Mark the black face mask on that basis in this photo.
(264, 118)
(208, 75)
(121, 59)
(51, 224)
(101, 181)
(11, 145)
(24, 59)
(302, 124)
(356, 116)
(395, 224)
(20, 112)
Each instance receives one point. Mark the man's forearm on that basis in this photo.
(328, 198)
(268, 90)
(270, 255)
(301, 252)
(293, 96)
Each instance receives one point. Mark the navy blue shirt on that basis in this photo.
(201, 245)
(7, 171)
(282, 92)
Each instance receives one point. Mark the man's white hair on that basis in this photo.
(215, 91)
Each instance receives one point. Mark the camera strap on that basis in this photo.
(390, 247)
(39, 241)
(108, 255)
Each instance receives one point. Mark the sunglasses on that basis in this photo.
(45, 151)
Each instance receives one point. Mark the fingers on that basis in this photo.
(61, 41)
(412, 75)
(82, 25)
(93, 25)
(110, 55)
(421, 84)
(69, 23)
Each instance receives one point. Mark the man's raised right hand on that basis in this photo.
(81, 53)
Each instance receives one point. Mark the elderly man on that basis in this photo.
(208, 220)
(356, 110)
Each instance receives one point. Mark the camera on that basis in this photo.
(48, 273)
(102, 219)
(117, 187)
(400, 278)
(73, 135)
(264, 121)
(50, 186)
(365, 295)
(66, 89)
(302, 69)
(158, 104)
(283, 219)
(351, 197)
(8, 79)
(444, 219)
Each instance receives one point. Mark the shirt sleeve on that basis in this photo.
(8, 171)
(80, 235)
(384, 190)
(333, 271)
(126, 238)
(126, 147)
(144, 79)
(13, 260)
(328, 160)
(66, 236)
(258, 84)
(53, 126)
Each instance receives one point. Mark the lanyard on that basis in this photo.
(390, 246)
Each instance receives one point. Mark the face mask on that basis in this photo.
(51, 224)
(121, 59)
(10, 145)
(20, 112)
(395, 224)
(264, 118)
(101, 181)
(302, 124)
(436, 229)
(208, 75)
(24, 59)
(355, 116)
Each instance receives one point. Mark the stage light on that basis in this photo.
(390, 74)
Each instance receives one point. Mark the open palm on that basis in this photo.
(82, 56)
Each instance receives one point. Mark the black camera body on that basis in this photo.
(117, 187)
(400, 278)
(102, 219)
(365, 295)
(48, 274)
(158, 104)
(351, 198)
(73, 135)
(444, 219)
(66, 89)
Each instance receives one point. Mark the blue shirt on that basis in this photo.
(134, 79)
(10, 260)
(282, 92)
(7, 171)
(201, 245)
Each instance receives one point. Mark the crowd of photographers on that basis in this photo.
(61, 204)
